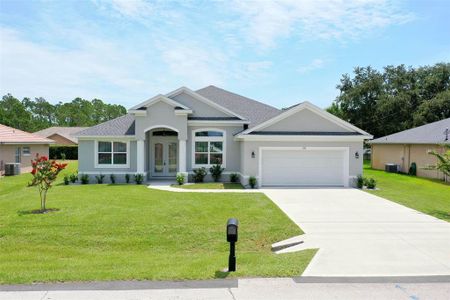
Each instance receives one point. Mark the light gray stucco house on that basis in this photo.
(184, 129)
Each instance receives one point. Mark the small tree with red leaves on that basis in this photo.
(44, 174)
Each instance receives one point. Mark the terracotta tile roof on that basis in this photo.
(66, 132)
(9, 135)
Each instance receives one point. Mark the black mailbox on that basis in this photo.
(232, 230)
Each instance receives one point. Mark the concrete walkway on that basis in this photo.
(359, 234)
(166, 186)
(254, 289)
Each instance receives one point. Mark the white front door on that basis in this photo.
(298, 167)
(164, 156)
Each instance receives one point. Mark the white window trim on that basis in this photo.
(26, 154)
(112, 166)
(222, 139)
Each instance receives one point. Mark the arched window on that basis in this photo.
(208, 147)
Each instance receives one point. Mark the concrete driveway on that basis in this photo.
(359, 234)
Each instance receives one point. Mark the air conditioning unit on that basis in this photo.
(12, 169)
(391, 168)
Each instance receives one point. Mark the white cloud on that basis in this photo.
(96, 69)
(264, 22)
(127, 8)
(313, 65)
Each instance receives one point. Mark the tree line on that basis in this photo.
(33, 115)
(394, 99)
(379, 102)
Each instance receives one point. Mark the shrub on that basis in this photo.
(63, 156)
(73, 177)
(44, 174)
(216, 171)
(84, 178)
(234, 177)
(138, 178)
(66, 180)
(199, 174)
(371, 183)
(100, 178)
(360, 181)
(127, 178)
(180, 178)
(252, 181)
(70, 152)
(112, 177)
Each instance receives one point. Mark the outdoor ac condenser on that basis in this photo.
(12, 169)
(391, 168)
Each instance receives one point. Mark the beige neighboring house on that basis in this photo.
(65, 136)
(412, 145)
(17, 146)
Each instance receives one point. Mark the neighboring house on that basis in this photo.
(184, 129)
(64, 136)
(17, 146)
(412, 145)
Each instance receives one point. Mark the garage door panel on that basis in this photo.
(303, 167)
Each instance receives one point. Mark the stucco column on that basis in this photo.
(140, 156)
(182, 156)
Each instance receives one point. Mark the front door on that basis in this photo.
(164, 157)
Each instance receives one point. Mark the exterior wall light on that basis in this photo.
(357, 155)
(253, 154)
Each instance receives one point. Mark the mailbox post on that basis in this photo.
(232, 237)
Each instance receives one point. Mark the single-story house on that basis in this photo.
(412, 145)
(63, 136)
(17, 146)
(184, 130)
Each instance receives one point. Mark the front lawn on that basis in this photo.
(210, 186)
(426, 195)
(124, 232)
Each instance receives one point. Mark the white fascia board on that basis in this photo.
(156, 99)
(216, 123)
(299, 138)
(183, 111)
(107, 137)
(202, 99)
(27, 143)
(312, 107)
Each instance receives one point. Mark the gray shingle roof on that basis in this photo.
(334, 133)
(254, 111)
(433, 133)
(120, 126)
(66, 132)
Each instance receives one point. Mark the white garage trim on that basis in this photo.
(345, 151)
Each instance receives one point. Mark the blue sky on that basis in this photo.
(278, 52)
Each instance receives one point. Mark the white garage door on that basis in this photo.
(299, 167)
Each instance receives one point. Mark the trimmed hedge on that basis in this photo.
(70, 151)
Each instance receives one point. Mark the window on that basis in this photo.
(26, 151)
(208, 147)
(112, 153)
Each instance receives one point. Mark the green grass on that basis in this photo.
(125, 232)
(210, 186)
(426, 195)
